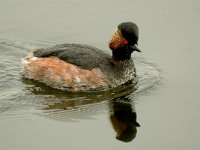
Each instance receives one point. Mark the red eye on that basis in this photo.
(125, 42)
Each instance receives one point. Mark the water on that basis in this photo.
(165, 99)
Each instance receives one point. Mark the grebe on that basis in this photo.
(78, 67)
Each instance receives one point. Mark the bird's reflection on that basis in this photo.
(123, 118)
(66, 106)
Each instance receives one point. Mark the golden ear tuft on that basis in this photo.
(117, 40)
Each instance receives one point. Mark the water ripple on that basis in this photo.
(23, 99)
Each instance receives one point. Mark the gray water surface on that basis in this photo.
(165, 99)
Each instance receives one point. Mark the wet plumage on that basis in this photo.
(78, 67)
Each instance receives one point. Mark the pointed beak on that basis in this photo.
(137, 49)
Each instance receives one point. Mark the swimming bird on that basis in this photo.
(79, 67)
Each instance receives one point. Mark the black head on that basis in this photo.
(124, 41)
(130, 32)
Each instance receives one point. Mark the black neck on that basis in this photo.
(123, 53)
